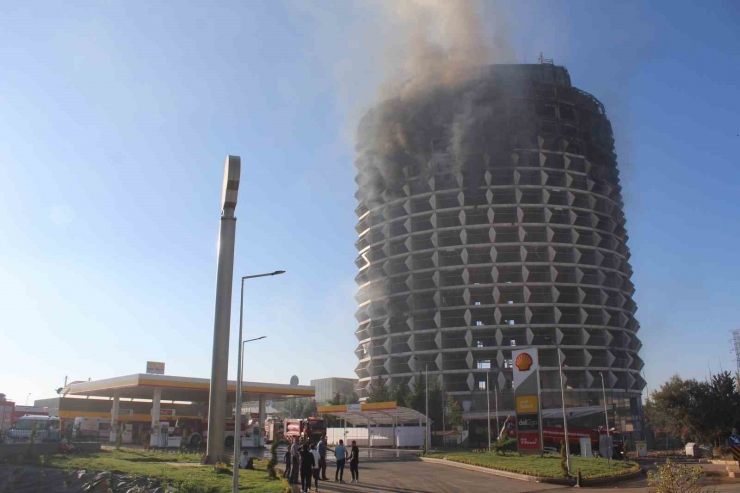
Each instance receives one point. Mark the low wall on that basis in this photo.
(11, 449)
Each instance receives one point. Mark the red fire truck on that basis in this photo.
(7, 409)
(194, 432)
(552, 436)
(311, 428)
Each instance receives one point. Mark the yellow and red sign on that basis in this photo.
(526, 404)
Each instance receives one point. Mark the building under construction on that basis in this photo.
(490, 219)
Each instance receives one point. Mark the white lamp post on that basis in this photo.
(240, 368)
(562, 397)
(606, 417)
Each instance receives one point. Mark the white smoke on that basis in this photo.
(434, 42)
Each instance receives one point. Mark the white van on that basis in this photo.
(92, 429)
(48, 429)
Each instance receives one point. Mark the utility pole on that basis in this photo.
(222, 317)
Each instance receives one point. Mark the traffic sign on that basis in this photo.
(735, 440)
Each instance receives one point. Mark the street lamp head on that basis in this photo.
(230, 189)
(278, 272)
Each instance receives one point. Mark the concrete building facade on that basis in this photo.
(327, 388)
(490, 219)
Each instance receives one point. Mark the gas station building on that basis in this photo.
(146, 400)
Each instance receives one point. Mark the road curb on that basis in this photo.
(536, 479)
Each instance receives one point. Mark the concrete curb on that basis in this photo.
(536, 479)
(486, 470)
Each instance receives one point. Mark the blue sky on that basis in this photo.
(117, 117)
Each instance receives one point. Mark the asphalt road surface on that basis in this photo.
(421, 477)
(413, 476)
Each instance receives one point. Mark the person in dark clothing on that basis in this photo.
(340, 452)
(354, 462)
(307, 465)
(288, 461)
(322, 459)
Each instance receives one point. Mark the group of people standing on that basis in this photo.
(308, 460)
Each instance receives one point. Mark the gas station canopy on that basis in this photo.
(376, 413)
(142, 385)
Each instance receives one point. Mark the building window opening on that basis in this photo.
(482, 385)
(484, 364)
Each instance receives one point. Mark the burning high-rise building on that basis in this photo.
(490, 219)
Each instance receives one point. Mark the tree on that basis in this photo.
(378, 391)
(670, 407)
(419, 398)
(297, 408)
(401, 394)
(700, 411)
(337, 400)
(453, 412)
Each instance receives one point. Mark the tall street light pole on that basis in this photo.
(29, 395)
(488, 405)
(239, 378)
(606, 417)
(426, 408)
(237, 417)
(495, 398)
(222, 315)
(562, 397)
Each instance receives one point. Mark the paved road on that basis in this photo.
(419, 477)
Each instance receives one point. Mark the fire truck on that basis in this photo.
(189, 432)
(7, 410)
(551, 437)
(311, 428)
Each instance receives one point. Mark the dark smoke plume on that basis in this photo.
(442, 115)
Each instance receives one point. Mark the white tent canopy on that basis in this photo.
(375, 414)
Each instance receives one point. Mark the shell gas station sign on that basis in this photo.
(526, 383)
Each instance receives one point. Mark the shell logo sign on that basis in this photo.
(523, 362)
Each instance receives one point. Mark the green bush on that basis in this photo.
(677, 478)
(273, 460)
(504, 444)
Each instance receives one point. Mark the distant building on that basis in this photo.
(326, 388)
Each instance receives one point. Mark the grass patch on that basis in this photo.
(151, 464)
(547, 466)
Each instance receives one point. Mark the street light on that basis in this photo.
(488, 402)
(238, 409)
(606, 417)
(488, 405)
(29, 395)
(426, 408)
(495, 398)
(562, 397)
